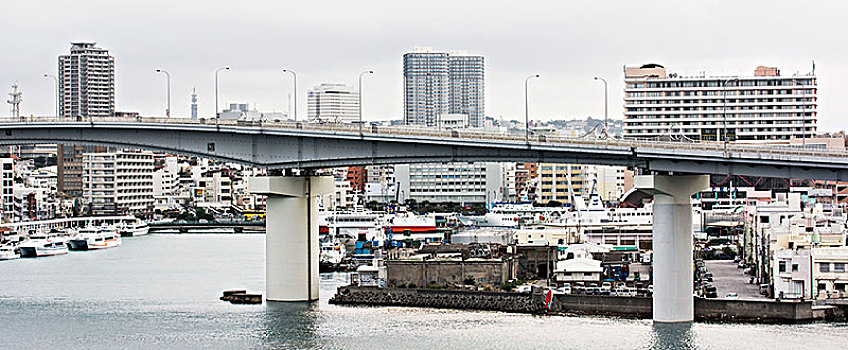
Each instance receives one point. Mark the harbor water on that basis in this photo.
(161, 292)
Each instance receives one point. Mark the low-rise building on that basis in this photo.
(578, 270)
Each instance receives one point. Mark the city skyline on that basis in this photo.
(566, 44)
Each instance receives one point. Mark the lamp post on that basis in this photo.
(167, 91)
(217, 116)
(527, 107)
(360, 97)
(294, 91)
(56, 92)
(724, 108)
(606, 104)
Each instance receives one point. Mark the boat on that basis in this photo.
(8, 252)
(333, 253)
(42, 245)
(133, 228)
(90, 238)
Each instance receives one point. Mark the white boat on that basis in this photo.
(133, 228)
(41, 245)
(8, 252)
(90, 238)
(333, 253)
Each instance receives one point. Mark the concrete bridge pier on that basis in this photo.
(291, 238)
(673, 265)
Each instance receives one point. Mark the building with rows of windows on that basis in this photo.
(760, 108)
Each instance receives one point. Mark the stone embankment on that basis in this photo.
(435, 298)
(755, 311)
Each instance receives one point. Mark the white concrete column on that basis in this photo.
(672, 241)
(291, 234)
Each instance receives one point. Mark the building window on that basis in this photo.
(824, 267)
(794, 267)
(781, 266)
(839, 267)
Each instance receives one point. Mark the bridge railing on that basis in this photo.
(464, 134)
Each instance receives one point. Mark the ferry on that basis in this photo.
(133, 228)
(42, 245)
(90, 238)
(8, 252)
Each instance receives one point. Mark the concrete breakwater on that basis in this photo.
(757, 311)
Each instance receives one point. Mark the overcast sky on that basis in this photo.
(332, 41)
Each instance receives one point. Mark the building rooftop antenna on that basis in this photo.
(15, 99)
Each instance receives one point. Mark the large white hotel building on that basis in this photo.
(759, 108)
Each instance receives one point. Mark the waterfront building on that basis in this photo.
(764, 107)
(578, 270)
(332, 103)
(462, 183)
(440, 83)
(7, 186)
(118, 182)
(32, 204)
(86, 82)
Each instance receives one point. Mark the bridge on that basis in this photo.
(676, 170)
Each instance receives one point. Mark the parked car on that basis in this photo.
(606, 288)
(565, 289)
(731, 296)
(524, 289)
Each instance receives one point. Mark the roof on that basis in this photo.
(579, 265)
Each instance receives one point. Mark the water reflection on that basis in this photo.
(673, 336)
(289, 325)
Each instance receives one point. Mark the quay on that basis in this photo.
(708, 310)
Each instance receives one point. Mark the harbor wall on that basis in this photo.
(760, 311)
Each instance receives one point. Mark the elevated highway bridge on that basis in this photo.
(674, 171)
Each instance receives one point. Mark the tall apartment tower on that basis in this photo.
(759, 108)
(466, 74)
(438, 83)
(334, 103)
(86, 82)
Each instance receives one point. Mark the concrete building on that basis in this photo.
(558, 180)
(333, 103)
(759, 108)
(439, 83)
(463, 183)
(119, 182)
(7, 187)
(467, 77)
(578, 270)
(86, 82)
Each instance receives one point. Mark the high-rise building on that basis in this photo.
(559, 182)
(439, 83)
(763, 107)
(334, 103)
(193, 103)
(466, 74)
(86, 82)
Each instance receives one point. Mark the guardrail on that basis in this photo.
(461, 134)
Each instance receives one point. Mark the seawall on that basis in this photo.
(756, 311)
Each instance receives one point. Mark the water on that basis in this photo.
(161, 292)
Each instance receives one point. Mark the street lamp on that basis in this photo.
(724, 108)
(167, 91)
(294, 90)
(56, 92)
(217, 116)
(527, 107)
(360, 97)
(606, 104)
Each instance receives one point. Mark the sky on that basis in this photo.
(330, 41)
